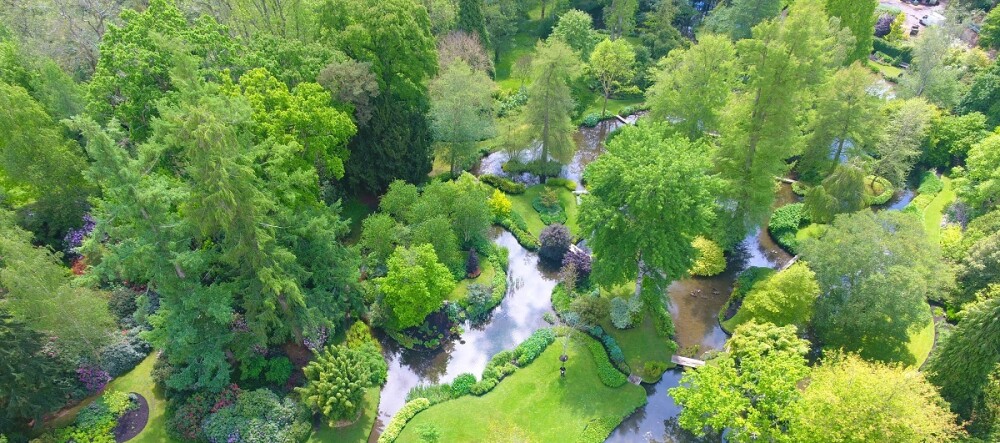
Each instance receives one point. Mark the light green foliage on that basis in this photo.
(575, 28)
(399, 420)
(36, 157)
(981, 265)
(851, 400)
(929, 76)
(693, 84)
(437, 232)
(951, 243)
(751, 391)
(500, 205)
(612, 64)
(442, 15)
(380, 235)
(289, 20)
(899, 147)
(649, 197)
(710, 261)
(302, 119)
(399, 200)
(950, 138)
(785, 59)
(336, 382)
(847, 117)
(841, 192)
(738, 17)
(872, 268)
(461, 112)
(415, 285)
(859, 17)
(785, 298)
(619, 17)
(989, 32)
(982, 185)
(550, 101)
(40, 292)
(133, 70)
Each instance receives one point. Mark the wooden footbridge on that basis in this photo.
(687, 362)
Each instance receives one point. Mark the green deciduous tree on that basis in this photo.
(963, 363)
(658, 32)
(502, 18)
(461, 112)
(981, 265)
(550, 100)
(929, 76)
(693, 85)
(851, 400)
(576, 29)
(982, 186)
(287, 19)
(619, 16)
(842, 192)
(951, 136)
(649, 197)
(751, 390)
(380, 235)
(785, 298)
(612, 64)
(415, 285)
(859, 17)
(847, 121)
(989, 32)
(395, 37)
(984, 96)
(738, 17)
(898, 149)
(785, 59)
(876, 272)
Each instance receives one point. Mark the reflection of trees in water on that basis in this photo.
(674, 433)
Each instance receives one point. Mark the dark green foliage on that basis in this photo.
(528, 350)
(32, 383)
(507, 186)
(462, 384)
(549, 207)
(899, 53)
(591, 308)
(122, 304)
(184, 419)
(472, 263)
(607, 372)
(984, 96)
(785, 222)
(124, 353)
(611, 345)
(278, 370)
(470, 19)
(257, 414)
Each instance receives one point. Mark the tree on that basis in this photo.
(550, 101)
(576, 29)
(352, 82)
(738, 17)
(40, 292)
(984, 96)
(784, 298)
(692, 85)
(502, 18)
(859, 17)
(395, 37)
(36, 157)
(32, 383)
(950, 137)
(380, 235)
(649, 197)
(437, 232)
(872, 268)
(658, 32)
(619, 15)
(982, 186)
(415, 285)
(847, 118)
(929, 76)
(555, 240)
(611, 63)
(963, 363)
(841, 193)
(981, 265)
(787, 57)
(851, 400)
(399, 200)
(336, 380)
(751, 390)
(899, 146)
(461, 112)
(710, 261)
(442, 15)
(460, 46)
(470, 19)
(290, 20)
(989, 32)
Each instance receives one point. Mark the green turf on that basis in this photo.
(359, 431)
(536, 401)
(888, 72)
(354, 211)
(642, 344)
(614, 105)
(921, 343)
(934, 212)
(485, 278)
(522, 205)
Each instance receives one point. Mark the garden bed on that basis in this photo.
(522, 205)
(134, 421)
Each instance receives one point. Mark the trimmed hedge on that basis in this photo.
(505, 185)
(398, 422)
(559, 182)
(523, 237)
(530, 349)
(615, 352)
(785, 222)
(884, 197)
(900, 54)
(607, 372)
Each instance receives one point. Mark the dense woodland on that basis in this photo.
(215, 215)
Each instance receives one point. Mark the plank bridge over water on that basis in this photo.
(687, 362)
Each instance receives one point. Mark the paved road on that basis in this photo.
(913, 12)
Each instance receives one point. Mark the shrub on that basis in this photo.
(711, 260)
(279, 369)
(358, 334)
(559, 182)
(433, 393)
(93, 377)
(185, 421)
(653, 369)
(512, 103)
(462, 384)
(657, 308)
(592, 309)
(500, 205)
(549, 207)
(472, 264)
(337, 379)
(530, 349)
(615, 352)
(799, 188)
(483, 386)
(256, 416)
(623, 311)
(122, 304)
(478, 302)
(930, 184)
(395, 426)
(591, 120)
(785, 222)
(554, 241)
(883, 189)
(503, 184)
(123, 354)
(610, 376)
(581, 260)
(903, 54)
(561, 299)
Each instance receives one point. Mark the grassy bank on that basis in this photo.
(522, 205)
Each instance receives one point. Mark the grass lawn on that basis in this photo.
(354, 211)
(935, 210)
(889, 72)
(485, 278)
(357, 432)
(614, 105)
(535, 401)
(921, 342)
(640, 345)
(522, 205)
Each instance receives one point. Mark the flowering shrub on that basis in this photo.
(74, 238)
(93, 377)
(185, 422)
(257, 416)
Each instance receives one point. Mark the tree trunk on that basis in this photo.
(836, 158)
(604, 110)
(640, 274)
(543, 9)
